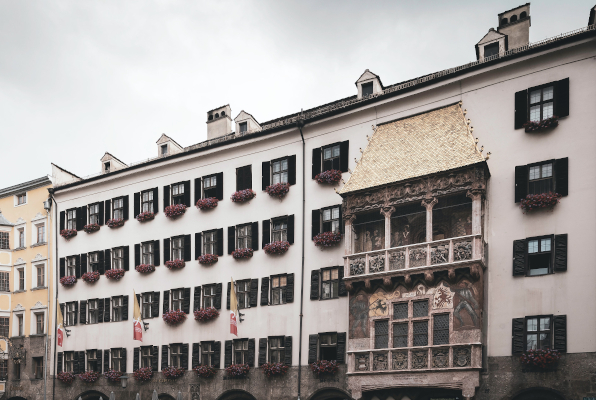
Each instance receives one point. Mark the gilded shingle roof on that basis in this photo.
(423, 144)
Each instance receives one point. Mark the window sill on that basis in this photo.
(39, 244)
(19, 291)
(331, 298)
(17, 337)
(37, 335)
(20, 248)
(39, 288)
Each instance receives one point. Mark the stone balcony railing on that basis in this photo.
(418, 359)
(414, 256)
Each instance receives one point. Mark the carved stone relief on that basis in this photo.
(380, 362)
(376, 263)
(419, 359)
(400, 360)
(440, 358)
(362, 362)
(462, 356)
(357, 266)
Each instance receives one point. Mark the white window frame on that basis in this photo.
(38, 267)
(145, 303)
(178, 249)
(16, 199)
(17, 277)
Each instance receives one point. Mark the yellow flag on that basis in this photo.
(60, 328)
(233, 309)
(136, 316)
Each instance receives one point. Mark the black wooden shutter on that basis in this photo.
(62, 220)
(187, 249)
(227, 353)
(266, 177)
(560, 333)
(126, 258)
(100, 261)
(562, 98)
(521, 108)
(198, 186)
(187, 193)
(107, 260)
(251, 353)
(316, 162)
(137, 254)
(219, 185)
(562, 176)
(156, 254)
(125, 308)
(344, 154)
(106, 360)
(99, 358)
(314, 284)
(125, 207)
(228, 297)
(83, 312)
(155, 358)
(265, 291)
(254, 292)
(313, 341)
(292, 170)
(231, 239)
(107, 309)
(198, 245)
(518, 343)
(290, 289)
(341, 347)
(291, 229)
(137, 204)
(196, 353)
(166, 199)
(81, 361)
(262, 352)
(101, 213)
(80, 220)
(166, 250)
(216, 354)
(59, 364)
(316, 223)
(521, 183)
(76, 313)
(561, 253)
(62, 267)
(123, 362)
(220, 239)
(288, 351)
(186, 301)
(135, 358)
(100, 311)
(166, 301)
(108, 210)
(75, 362)
(78, 266)
(341, 285)
(164, 356)
(197, 298)
(266, 239)
(217, 300)
(255, 236)
(155, 305)
(519, 257)
(184, 355)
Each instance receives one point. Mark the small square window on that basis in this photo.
(328, 346)
(420, 308)
(164, 149)
(400, 310)
(21, 198)
(491, 49)
(381, 334)
(539, 256)
(400, 335)
(243, 126)
(420, 333)
(367, 89)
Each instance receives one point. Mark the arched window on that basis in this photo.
(504, 21)
(523, 15)
(223, 113)
(216, 115)
(513, 18)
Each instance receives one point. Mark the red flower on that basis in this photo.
(542, 200)
(143, 374)
(172, 372)
(274, 369)
(68, 280)
(278, 190)
(206, 314)
(551, 122)
(90, 277)
(205, 371)
(327, 239)
(540, 358)
(238, 370)
(324, 367)
(175, 210)
(174, 317)
(242, 253)
(89, 376)
(331, 176)
(243, 195)
(68, 233)
(208, 259)
(279, 247)
(116, 274)
(113, 375)
(175, 264)
(90, 228)
(208, 203)
(66, 377)
(145, 268)
(115, 223)
(145, 216)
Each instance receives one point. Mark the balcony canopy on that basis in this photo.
(424, 144)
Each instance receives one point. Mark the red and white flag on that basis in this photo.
(60, 329)
(136, 320)
(233, 310)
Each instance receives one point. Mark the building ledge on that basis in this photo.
(37, 335)
(39, 244)
(39, 288)
(19, 291)
(19, 248)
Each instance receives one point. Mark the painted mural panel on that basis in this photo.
(359, 310)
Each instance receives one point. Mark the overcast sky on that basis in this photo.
(78, 78)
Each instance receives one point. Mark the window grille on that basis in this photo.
(441, 329)
(540, 179)
(420, 308)
(381, 334)
(400, 310)
(400, 335)
(420, 333)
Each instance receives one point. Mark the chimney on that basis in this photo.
(515, 24)
(219, 122)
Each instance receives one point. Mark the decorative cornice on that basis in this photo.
(18, 308)
(38, 216)
(38, 258)
(20, 221)
(19, 261)
(38, 306)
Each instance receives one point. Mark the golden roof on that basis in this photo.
(423, 144)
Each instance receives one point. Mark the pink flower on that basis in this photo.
(68, 280)
(68, 233)
(542, 200)
(331, 176)
(208, 259)
(278, 190)
(279, 247)
(174, 317)
(208, 203)
(175, 210)
(90, 277)
(206, 314)
(205, 371)
(238, 370)
(112, 375)
(115, 223)
(242, 253)
(172, 372)
(145, 268)
(551, 122)
(90, 228)
(324, 367)
(327, 239)
(66, 377)
(243, 195)
(175, 264)
(89, 376)
(145, 216)
(274, 369)
(115, 274)
(143, 374)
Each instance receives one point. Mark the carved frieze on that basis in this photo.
(439, 254)
(380, 362)
(357, 266)
(440, 358)
(397, 260)
(362, 362)
(462, 251)
(462, 356)
(377, 263)
(400, 360)
(419, 359)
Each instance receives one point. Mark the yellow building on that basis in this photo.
(25, 287)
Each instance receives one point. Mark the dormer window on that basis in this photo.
(106, 167)
(164, 149)
(367, 89)
(491, 49)
(243, 126)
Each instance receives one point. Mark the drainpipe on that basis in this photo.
(300, 124)
(45, 354)
(56, 305)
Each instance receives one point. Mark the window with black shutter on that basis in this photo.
(539, 332)
(265, 291)
(180, 193)
(71, 218)
(210, 243)
(148, 198)
(210, 186)
(542, 102)
(208, 353)
(542, 177)
(94, 213)
(329, 283)
(244, 178)
(278, 289)
(240, 351)
(243, 293)
(327, 346)
(540, 255)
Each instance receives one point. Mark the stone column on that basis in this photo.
(348, 220)
(476, 196)
(387, 213)
(429, 204)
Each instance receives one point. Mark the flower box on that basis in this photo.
(112, 375)
(278, 190)
(175, 210)
(274, 369)
(175, 264)
(324, 367)
(68, 233)
(536, 201)
(206, 314)
(327, 239)
(208, 259)
(205, 371)
(551, 122)
(145, 216)
(279, 247)
(237, 370)
(90, 228)
(243, 195)
(174, 317)
(207, 204)
(541, 359)
(143, 374)
(66, 377)
(90, 277)
(115, 274)
(172, 372)
(331, 176)
(68, 280)
(89, 376)
(145, 268)
(115, 223)
(242, 253)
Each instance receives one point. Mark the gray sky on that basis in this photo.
(78, 78)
